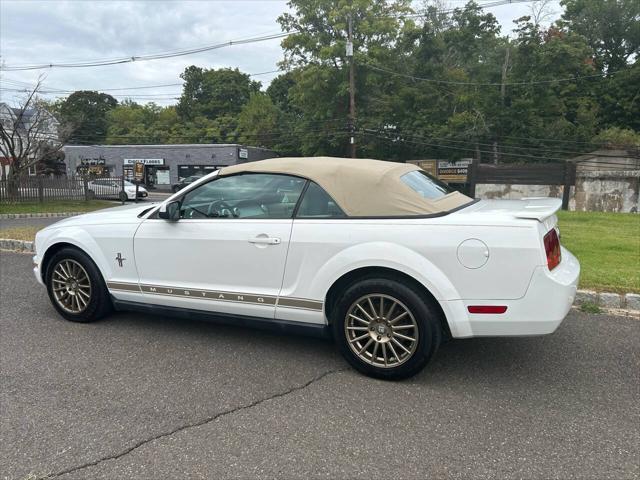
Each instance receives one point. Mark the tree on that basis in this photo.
(428, 105)
(611, 27)
(279, 91)
(618, 138)
(212, 93)
(316, 48)
(29, 134)
(619, 98)
(541, 11)
(52, 162)
(258, 122)
(88, 111)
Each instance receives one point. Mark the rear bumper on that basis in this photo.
(540, 311)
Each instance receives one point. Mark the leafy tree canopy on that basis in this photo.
(611, 27)
(87, 111)
(212, 93)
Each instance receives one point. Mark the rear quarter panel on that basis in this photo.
(321, 251)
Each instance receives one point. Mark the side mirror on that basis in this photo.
(170, 211)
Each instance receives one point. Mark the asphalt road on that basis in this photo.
(27, 222)
(135, 396)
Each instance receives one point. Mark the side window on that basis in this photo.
(317, 203)
(249, 195)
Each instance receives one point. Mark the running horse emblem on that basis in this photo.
(120, 259)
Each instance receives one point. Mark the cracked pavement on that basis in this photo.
(156, 397)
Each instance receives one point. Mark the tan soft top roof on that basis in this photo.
(360, 187)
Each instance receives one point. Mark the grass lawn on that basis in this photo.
(57, 206)
(20, 233)
(607, 246)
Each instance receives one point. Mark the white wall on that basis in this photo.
(603, 191)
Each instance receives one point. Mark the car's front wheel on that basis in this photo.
(76, 287)
(385, 328)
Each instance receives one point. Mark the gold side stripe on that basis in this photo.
(287, 302)
(299, 303)
(210, 295)
(127, 287)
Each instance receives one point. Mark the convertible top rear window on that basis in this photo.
(425, 185)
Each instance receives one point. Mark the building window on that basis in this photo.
(185, 171)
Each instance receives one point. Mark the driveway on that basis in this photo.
(136, 396)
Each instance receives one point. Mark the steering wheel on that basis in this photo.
(213, 207)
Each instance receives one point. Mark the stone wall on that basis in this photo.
(601, 191)
(613, 191)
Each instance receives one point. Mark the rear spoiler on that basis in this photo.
(539, 208)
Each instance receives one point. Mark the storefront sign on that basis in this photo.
(144, 161)
(138, 171)
(453, 172)
(92, 161)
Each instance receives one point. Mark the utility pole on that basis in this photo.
(503, 90)
(352, 91)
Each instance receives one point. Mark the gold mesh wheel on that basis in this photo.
(381, 330)
(71, 286)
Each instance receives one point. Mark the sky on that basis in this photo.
(56, 31)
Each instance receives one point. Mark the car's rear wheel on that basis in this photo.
(122, 196)
(386, 329)
(76, 287)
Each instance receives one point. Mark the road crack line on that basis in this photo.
(199, 423)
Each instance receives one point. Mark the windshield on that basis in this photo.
(425, 185)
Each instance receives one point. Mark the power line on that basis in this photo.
(399, 138)
(141, 87)
(426, 10)
(206, 48)
(543, 150)
(492, 84)
(271, 136)
(139, 58)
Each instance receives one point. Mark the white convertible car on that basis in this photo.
(383, 256)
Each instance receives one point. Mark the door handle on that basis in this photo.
(265, 240)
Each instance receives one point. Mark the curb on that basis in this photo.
(608, 300)
(7, 244)
(629, 301)
(8, 216)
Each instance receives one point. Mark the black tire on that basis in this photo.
(422, 314)
(175, 188)
(99, 303)
(122, 196)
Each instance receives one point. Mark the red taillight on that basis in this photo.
(552, 248)
(487, 308)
